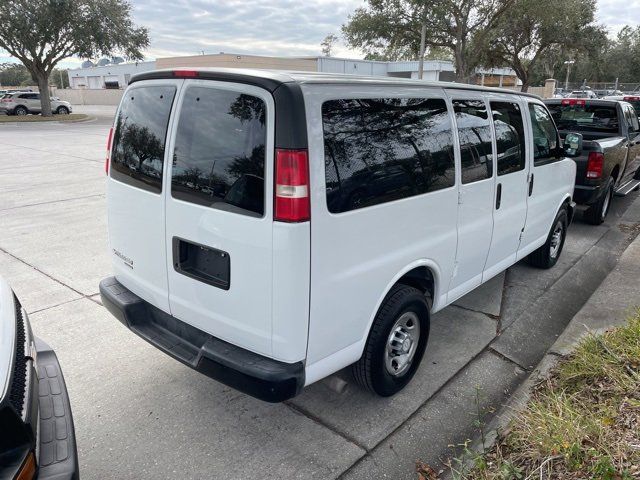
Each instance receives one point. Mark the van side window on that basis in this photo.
(219, 153)
(383, 149)
(507, 121)
(545, 135)
(474, 132)
(139, 137)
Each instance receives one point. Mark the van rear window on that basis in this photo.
(139, 138)
(382, 149)
(219, 155)
(586, 118)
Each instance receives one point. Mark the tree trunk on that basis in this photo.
(45, 98)
(525, 86)
(461, 65)
(423, 37)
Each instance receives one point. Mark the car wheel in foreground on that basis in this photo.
(396, 343)
(548, 254)
(62, 111)
(20, 111)
(596, 214)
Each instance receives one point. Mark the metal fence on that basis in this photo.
(624, 87)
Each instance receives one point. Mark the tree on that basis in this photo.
(524, 38)
(393, 29)
(41, 33)
(13, 74)
(327, 44)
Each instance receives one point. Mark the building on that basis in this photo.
(114, 76)
(442, 70)
(117, 76)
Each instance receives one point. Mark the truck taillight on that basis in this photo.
(573, 101)
(107, 160)
(594, 165)
(291, 198)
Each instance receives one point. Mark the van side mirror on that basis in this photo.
(572, 145)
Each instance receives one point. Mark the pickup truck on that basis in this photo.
(608, 157)
(37, 438)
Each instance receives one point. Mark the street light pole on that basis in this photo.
(568, 63)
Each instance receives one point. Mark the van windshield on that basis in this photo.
(586, 118)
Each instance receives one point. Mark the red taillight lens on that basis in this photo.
(107, 160)
(594, 165)
(291, 200)
(185, 73)
(573, 101)
(631, 99)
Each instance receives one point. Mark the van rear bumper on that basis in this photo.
(259, 376)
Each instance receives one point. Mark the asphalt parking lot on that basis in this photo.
(139, 414)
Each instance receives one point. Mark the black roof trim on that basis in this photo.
(266, 79)
(271, 79)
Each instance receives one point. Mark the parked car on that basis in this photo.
(582, 94)
(634, 100)
(37, 439)
(608, 159)
(280, 273)
(24, 103)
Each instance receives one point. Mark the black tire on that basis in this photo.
(597, 212)
(548, 254)
(371, 371)
(20, 110)
(62, 111)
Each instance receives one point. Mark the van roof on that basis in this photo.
(272, 79)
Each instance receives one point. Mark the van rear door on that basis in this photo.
(218, 220)
(135, 191)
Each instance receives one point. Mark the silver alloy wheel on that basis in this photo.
(402, 344)
(62, 111)
(556, 239)
(20, 111)
(605, 204)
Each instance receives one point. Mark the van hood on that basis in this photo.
(7, 335)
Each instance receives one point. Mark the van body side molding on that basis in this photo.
(261, 377)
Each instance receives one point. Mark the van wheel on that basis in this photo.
(596, 214)
(548, 254)
(20, 111)
(396, 343)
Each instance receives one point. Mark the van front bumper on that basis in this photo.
(259, 376)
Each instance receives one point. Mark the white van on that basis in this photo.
(269, 229)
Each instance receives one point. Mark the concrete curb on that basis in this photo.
(609, 306)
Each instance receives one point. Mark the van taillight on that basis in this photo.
(106, 161)
(291, 199)
(594, 165)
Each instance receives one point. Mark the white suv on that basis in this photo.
(24, 103)
(269, 229)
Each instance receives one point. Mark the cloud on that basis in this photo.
(276, 27)
(262, 27)
(615, 14)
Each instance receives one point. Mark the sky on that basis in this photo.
(274, 27)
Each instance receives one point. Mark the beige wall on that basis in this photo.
(90, 97)
(534, 90)
(239, 61)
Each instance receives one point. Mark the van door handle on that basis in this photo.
(531, 185)
(498, 196)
